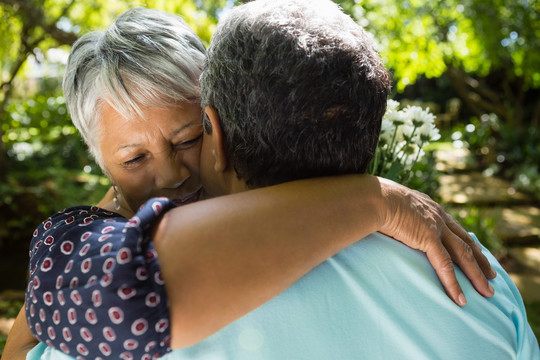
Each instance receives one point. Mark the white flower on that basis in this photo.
(403, 134)
(424, 123)
(387, 131)
(391, 123)
(392, 105)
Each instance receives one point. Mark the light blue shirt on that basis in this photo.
(376, 299)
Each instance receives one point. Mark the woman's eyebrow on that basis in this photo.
(172, 134)
(124, 146)
(182, 128)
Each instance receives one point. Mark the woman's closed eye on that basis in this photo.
(137, 160)
(188, 143)
(133, 161)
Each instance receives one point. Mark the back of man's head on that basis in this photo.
(299, 89)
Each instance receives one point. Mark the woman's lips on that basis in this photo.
(189, 198)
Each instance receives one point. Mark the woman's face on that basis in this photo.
(154, 156)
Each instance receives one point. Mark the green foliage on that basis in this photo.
(533, 315)
(504, 150)
(425, 177)
(472, 219)
(49, 166)
(10, 28)
(3, 339)
(9, 308)
(84, 16)
(423, 36)
(488, 49)
(39, 136)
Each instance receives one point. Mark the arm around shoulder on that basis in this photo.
(223, 257)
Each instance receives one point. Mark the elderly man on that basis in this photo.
(312, 93)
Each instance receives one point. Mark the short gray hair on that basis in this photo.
(145, 56)
(299, 89)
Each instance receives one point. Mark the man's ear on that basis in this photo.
(219, 147)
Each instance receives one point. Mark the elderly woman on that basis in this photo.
(95, 288)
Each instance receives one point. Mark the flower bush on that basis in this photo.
(400, 152)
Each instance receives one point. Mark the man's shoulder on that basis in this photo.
(376, 299)
(379, 250)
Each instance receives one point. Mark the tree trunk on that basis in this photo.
(35, 18)
(506, 100)
(460, 85)
(535, 122)
(6, 88)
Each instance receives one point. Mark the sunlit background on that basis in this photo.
(473, 64)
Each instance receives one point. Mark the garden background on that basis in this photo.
(474, 63)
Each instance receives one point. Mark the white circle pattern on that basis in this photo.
(90, 283)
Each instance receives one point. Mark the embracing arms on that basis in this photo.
(224, 257)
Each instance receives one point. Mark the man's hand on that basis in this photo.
(420, 223)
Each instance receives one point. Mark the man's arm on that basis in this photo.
(212, 281)
(20, 340)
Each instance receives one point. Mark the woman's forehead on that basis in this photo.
(153, 121)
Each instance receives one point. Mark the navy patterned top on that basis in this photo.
(95, 289)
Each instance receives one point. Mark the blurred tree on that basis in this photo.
(43, 162)
(30, 28)
(489, 49)
(25, 26)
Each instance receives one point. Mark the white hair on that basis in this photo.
(145, 57)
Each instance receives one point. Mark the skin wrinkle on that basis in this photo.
(127, 81)
(155, 158)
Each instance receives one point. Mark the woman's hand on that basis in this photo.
(420, 223)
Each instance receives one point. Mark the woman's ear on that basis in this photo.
(219, 146)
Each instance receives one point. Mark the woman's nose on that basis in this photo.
(171, 174)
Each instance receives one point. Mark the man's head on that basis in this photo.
(298, 88)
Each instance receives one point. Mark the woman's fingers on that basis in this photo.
(466, 254)
(453, 249)
(469, 259)
(420, 223)
(444, 267)
(476, 249)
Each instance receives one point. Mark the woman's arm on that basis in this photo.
(20, 340)
(224, 257)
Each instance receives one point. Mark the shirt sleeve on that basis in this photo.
(95, 288)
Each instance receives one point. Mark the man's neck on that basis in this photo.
(232, 184)
(225, 184)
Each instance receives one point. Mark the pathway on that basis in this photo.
(516, 216)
